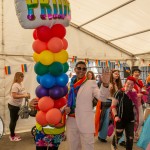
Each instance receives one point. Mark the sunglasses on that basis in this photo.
(83, 69)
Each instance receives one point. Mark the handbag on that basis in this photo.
(24, 110)
(33, 112)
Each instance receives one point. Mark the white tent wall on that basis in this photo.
(30, 84)
(16, 49)
(83, 45)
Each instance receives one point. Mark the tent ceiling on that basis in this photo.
(124, 23)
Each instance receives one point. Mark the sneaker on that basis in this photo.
(17, 136)
(113, 147)
(102, 140)
(14, 139)
(123, 143)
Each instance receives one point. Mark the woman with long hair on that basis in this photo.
(17, 93)
(115, 85)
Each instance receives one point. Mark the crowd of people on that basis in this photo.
(119, 105)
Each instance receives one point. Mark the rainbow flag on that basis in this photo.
(96, 62)
(7, 70)
(24, 68)
(119, 64)
(106, 63)
(99, 62)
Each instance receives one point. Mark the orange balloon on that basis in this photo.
(65, 43)
(45, 103)
(55, 44)
(41, 118)
(53, 116)
(39, 46)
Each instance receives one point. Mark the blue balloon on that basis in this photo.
(62, 80)
(47, 81)
(38, 78)
(41, 91)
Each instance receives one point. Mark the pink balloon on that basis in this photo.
(45, 103)
(39, 46)
(55, 44)
(65, 43)
(41, 118)
(53, 116)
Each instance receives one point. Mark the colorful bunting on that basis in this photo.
(7, 70)
(24, 68)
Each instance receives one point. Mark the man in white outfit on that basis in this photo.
(80, 122)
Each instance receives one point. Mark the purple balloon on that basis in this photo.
(41, 91)
(65, 90)
(56, 92)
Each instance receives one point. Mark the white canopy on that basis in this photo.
(123, 23)
(100, 29)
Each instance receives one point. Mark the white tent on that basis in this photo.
(100, 29)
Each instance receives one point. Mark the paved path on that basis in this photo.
(27, 143)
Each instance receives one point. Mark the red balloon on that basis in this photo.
(53, 116)
(65, 43)
(41, 118)
(55, 44)
(37, 108)
(39, 46)
(45, 103)
(43, 33)
(35, 34)
(58, 30)
(60, 102)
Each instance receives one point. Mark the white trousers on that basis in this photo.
(76, 139)
(141, 118)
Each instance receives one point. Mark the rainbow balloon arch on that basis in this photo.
(48, 18)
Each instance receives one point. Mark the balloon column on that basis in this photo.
(48, 18)
(51, 65)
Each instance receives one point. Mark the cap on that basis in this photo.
(131, 78)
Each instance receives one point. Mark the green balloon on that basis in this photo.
(40, 69)
(66, 67)
(56, 69)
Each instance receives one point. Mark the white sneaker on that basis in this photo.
(14, 138)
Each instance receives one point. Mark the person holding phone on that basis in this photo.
(80, 122)
(17, 93)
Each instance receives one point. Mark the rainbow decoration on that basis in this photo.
(48, 18)
(99, 62)
(7, 70)
(34, 13)
(24, 68)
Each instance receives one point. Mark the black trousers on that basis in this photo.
(129, 131)
(45, 148)
(13, 118)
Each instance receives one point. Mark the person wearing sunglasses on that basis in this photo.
(17, 93)
(80, 122)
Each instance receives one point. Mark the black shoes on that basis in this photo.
(102, 140)
(123, 144)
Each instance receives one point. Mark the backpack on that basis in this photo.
(24, 110)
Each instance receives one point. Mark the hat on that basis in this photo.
(131, 78)
(135, 68)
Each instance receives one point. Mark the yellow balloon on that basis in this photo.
(46, 57)
(36, 57)
(61, 57)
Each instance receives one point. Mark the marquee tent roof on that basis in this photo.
(124, 24)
